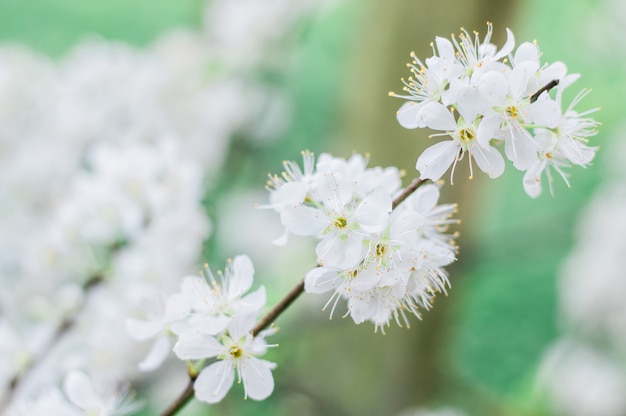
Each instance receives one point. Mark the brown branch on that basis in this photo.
(277, 310)
(546, 87)
(182, 399)
(406, 192)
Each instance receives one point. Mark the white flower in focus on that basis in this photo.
(428, 82)
(512, 111)
(341, 203)
(236, 354)
(479, 57)
(401, 268)
(561, 147)
(436, 159)
(215, 301)
(499, 97)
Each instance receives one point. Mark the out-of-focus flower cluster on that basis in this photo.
(584, 372)
(481, 96)
(385, 263)
(105, 157)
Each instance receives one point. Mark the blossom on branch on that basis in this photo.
(482, 97)
(384, 263)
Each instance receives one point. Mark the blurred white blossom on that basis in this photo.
(105, 157)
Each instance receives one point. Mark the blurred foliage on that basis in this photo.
(53, 26)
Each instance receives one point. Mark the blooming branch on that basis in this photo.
(188, 393)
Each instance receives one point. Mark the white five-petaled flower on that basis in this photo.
(236, 353)
(500, 97)
(435, 160)
(401, 269)
(215, 300)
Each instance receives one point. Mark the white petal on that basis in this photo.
(198, 292)
(282, 240)
(445, 48)
(252, 302)
(257, 379)
(374, 209)
(532, 180)
(303, 220)
(508, 45)
(425, 198)
(366, 279)
(489, 160)
(577, 152)
(518, 80)
(557, 70)
(194, 346)
(141, 330)
(407, 115)
(241, 325)
(470, 103)
(334, 251)
(361, 306)
(488, 129)
(519, 147)
(544, 113)
(321, 280)
(493, 86)
(289, 193)
(527, 51)
(241, 276)
(214, 382)
(209, 324)
(157, 354)
(437, 117)
(435, 160)
(177, 307)
(80, 391)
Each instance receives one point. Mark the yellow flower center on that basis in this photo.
(235, 351)
(512, 111)
(340, 222)
(466, 135)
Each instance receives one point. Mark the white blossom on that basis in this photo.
(236, 353)
(482, 96)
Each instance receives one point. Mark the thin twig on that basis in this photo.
(182, 400)
(412, 187)
(62, 328)
(277, 310)
(546, 87)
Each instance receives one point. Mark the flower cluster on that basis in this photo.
(481, 96)
(383, 262)
(211, 318)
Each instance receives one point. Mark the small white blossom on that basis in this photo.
(236, 353)
(215, 301)
(482, 96)
(383, 263)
